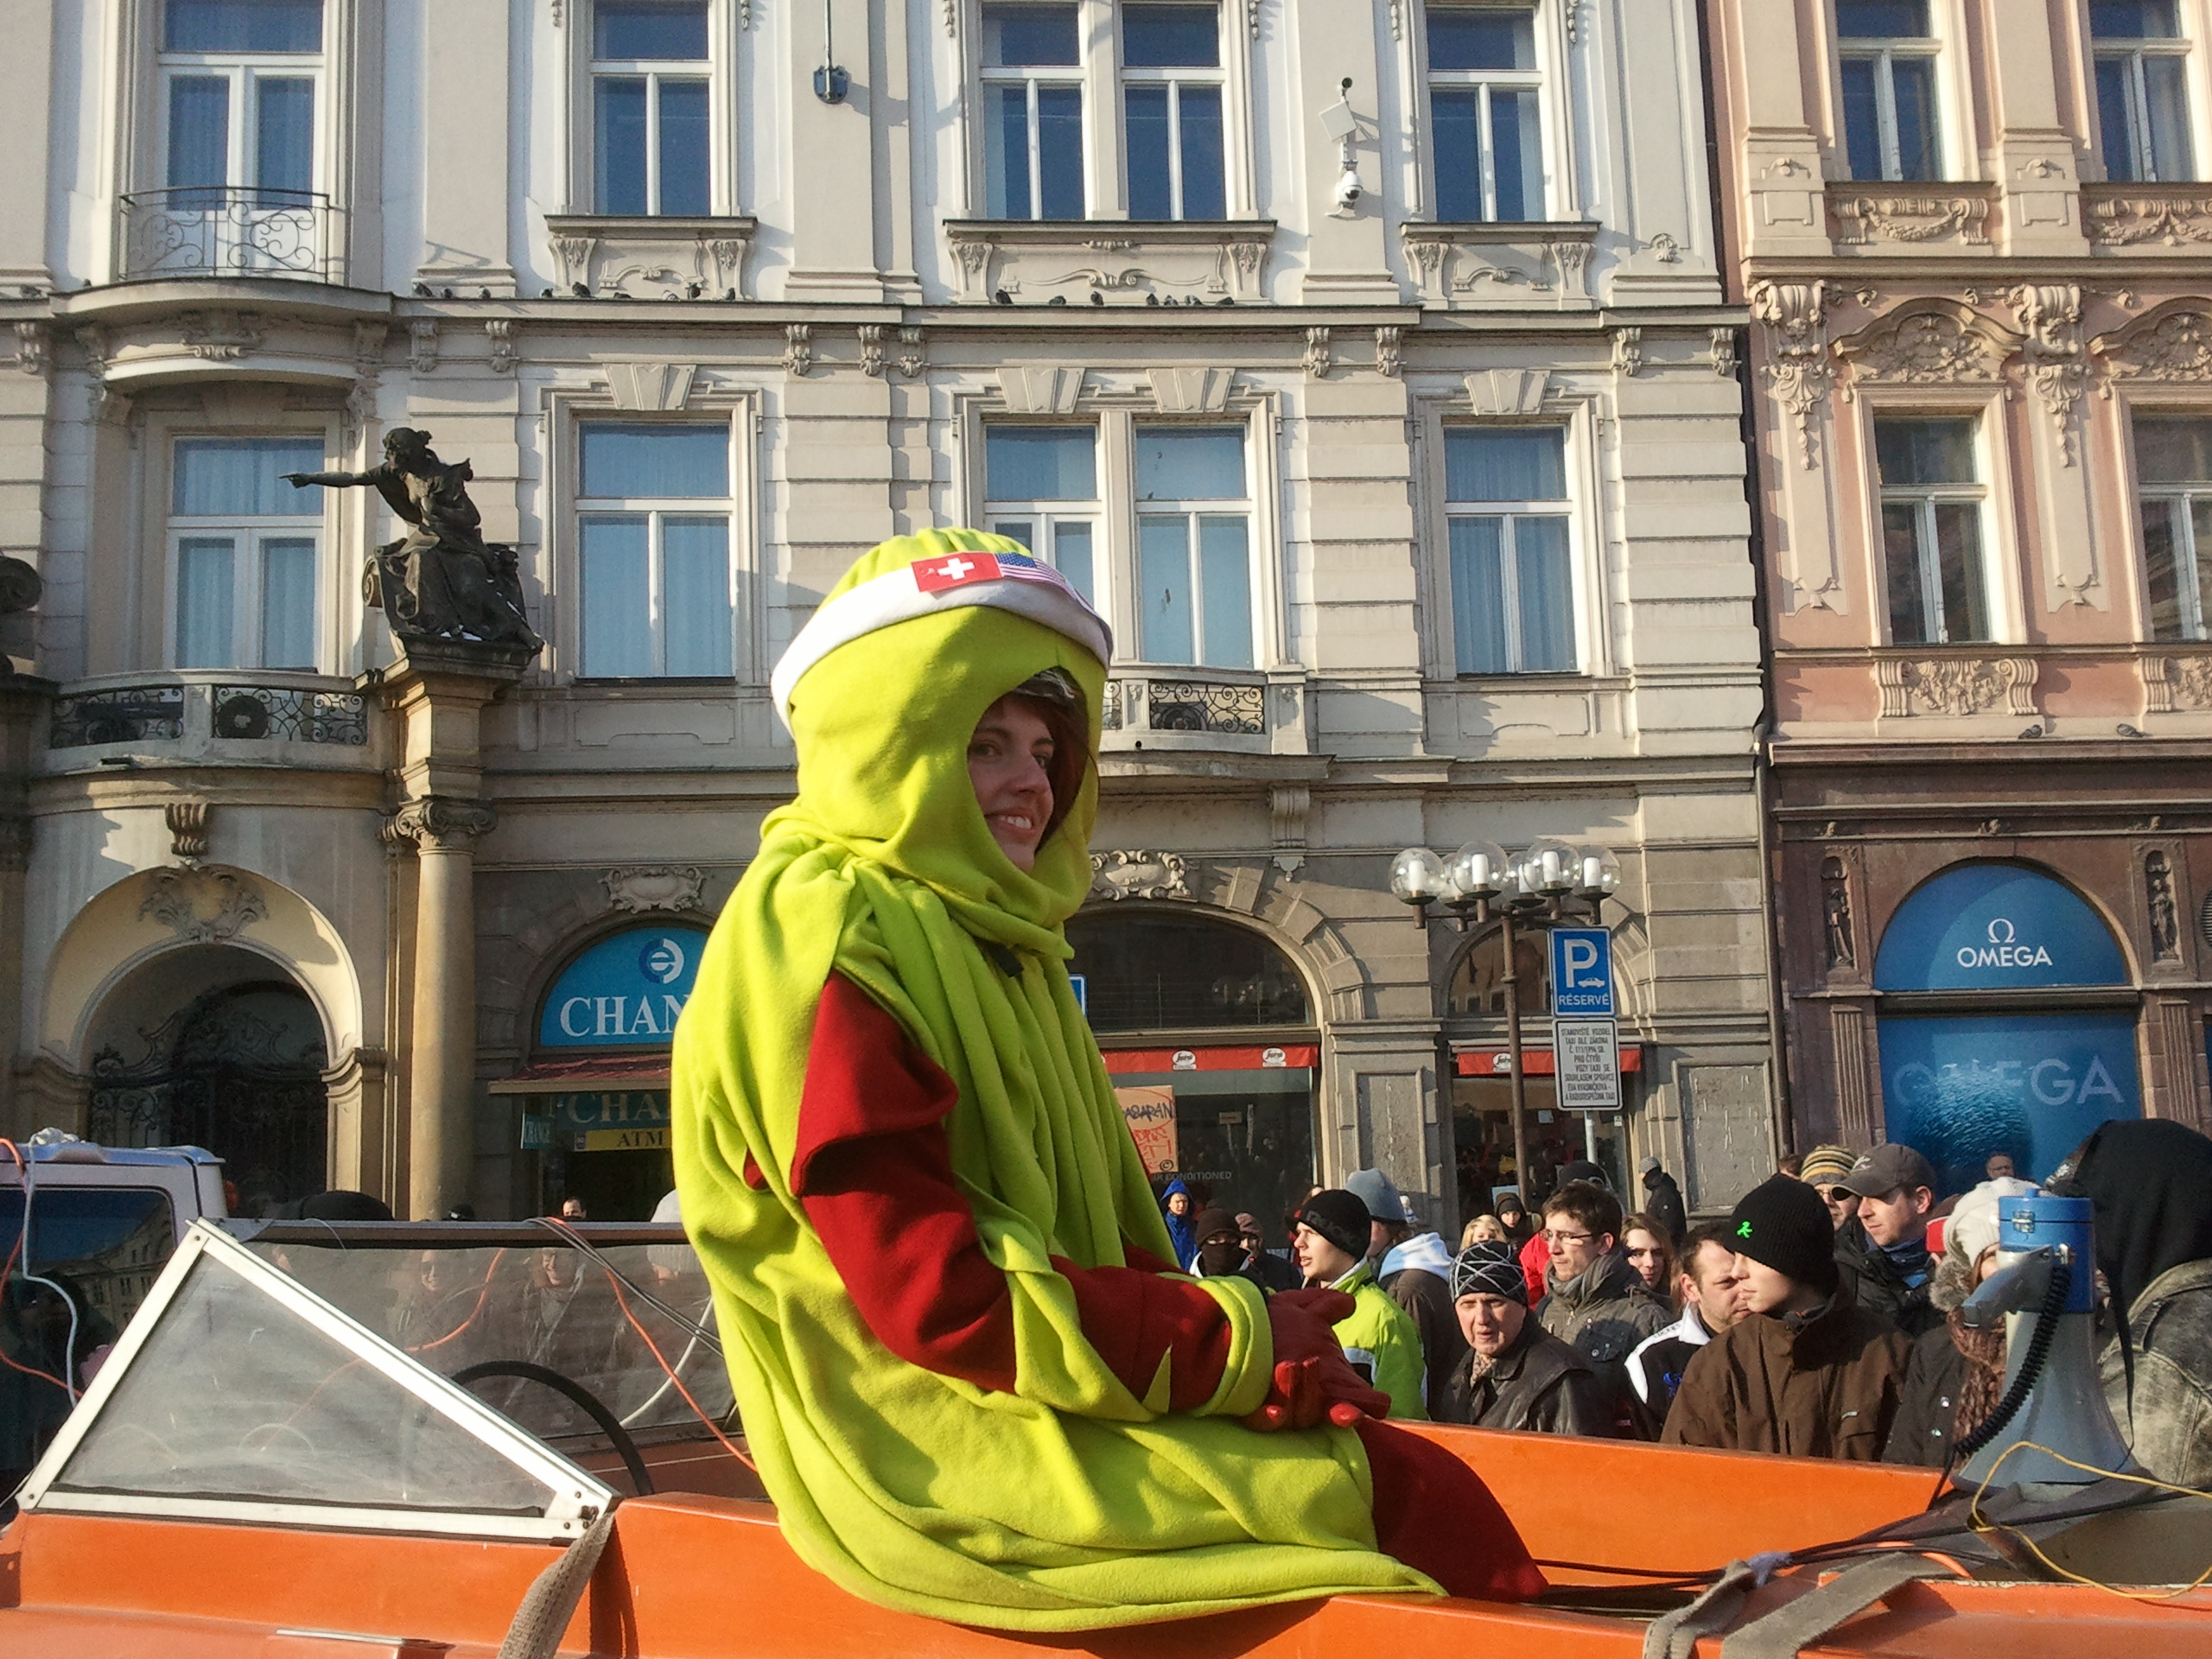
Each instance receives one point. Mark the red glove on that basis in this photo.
(1312, 1378)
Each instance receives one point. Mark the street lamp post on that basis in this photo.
(1551, 882)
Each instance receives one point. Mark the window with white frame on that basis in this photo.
(1932, 505)
(1508, 530)
(652, 121)
(1042, 485)
(240, 82)
(654, 574)
(2173, 472)
(1193, 586)
(2142, 95)
(1033, 111)
(1485, 113)
(244, 551)
(1888, 52)
(1172, 112)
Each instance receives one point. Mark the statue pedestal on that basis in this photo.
(438, 690)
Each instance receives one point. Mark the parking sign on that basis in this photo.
(1582, 972)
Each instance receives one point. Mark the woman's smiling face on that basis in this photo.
(1009, 762)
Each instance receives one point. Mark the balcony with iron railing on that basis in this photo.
(1206, 708)
(233, 231)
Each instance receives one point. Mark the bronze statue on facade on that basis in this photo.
(443, 581)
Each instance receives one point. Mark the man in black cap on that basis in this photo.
(1805, 1372)
(1516, 1375)
(1663, 1201)
(1221, 1252)
(1380, 1338)
(1883, 1253)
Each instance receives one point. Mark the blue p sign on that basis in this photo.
(1582, 972)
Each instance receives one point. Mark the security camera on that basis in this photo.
(1348, 188)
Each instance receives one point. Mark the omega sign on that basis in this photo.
(2003, 951)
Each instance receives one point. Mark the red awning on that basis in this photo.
(1535, 1061)
(597, 1072)
(1122, 1062)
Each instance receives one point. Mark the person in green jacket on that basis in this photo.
(972, 1379)
(1380, 1338)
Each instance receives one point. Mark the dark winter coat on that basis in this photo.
(1826, 1386)
(1873, 1281)
(1662, 1202)
(1605, 1312)
(1540, 1384)
(1928, 1401)
(1428, 1299)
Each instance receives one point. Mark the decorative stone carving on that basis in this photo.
(1041, 388)
(1957, 686)
(871, 349)
(1138, 875)
(2171, 342)
(1512, 266)
(218, 336)
(501, 331)
(2050, 357)
(657, 386)
(1320, 356)
(913, 356)
(1627, 352)
(1835, 913)
(1724, 352)
(33, 354)
(368, 372)
(798, 348)
(441, 581)
(1192, 391)
(1928, 342)
(2172, 684)
(108, 403)
(175, 900)
(1029, 261)
(1795, 318)
(1668, 248)
(1287, 807)
(443, 824)
(649, 256)
(2128, 215)
(1389, 360)
(2158, 903)
(423, 343)
(640, 887)
(1508, 391)
(1863, 218)
(187, 828)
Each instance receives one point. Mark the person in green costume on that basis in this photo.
(973, 1384)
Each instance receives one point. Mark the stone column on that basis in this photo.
(438, 691)
(442, 1069)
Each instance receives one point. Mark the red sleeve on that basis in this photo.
(873, 1169)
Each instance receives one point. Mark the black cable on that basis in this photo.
(581, 1397)
(2054, 1305)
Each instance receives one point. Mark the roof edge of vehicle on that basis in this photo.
(91, 1152)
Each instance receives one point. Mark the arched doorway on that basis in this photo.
(213, 1046)
(2007, 1021)
(1209, 1037)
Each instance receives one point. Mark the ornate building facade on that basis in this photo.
(1367, 364)
(1975, 251)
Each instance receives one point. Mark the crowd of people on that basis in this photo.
(1820, 1318)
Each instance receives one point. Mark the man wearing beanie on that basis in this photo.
(1824, 1170)
(1380, 1337)
(1517, 1374)
(1806, 1372)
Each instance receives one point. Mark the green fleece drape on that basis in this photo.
(1071, 1503)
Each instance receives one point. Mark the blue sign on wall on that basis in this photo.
(1582, 972)
(1981, 927)
(1961, 1088)
(625, 991)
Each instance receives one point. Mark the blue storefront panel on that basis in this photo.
(2033, 1084)
(625, 992)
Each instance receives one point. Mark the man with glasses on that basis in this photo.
(1824, 1171)
(1594, 1301)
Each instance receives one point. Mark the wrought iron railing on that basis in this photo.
(228, 711)
(1180, 703)
(122, 714)
(292, 713)
(230, 230)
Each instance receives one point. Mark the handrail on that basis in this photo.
(233, 231)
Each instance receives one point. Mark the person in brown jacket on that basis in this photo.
(1805, 1373)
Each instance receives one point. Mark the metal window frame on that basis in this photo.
(576, 1498)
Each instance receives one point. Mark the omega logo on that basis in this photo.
(2003, 949)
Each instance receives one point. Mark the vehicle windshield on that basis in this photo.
(627, 1325)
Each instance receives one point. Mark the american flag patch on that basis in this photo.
(958, 569)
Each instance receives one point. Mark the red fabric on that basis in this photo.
(1536, 1259)
(1434, 1514)
(874, 1171)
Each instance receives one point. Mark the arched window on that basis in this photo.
(2007, 1022)
(1207, 1033)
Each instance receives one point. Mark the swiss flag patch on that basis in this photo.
(955, 571)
